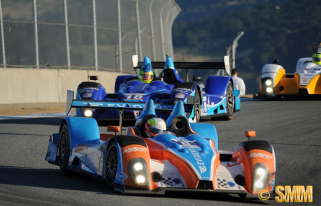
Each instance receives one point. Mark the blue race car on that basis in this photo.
(216, 98)
(184, 156)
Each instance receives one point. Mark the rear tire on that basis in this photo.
(111, 165)
(230, 101)
(64, 149)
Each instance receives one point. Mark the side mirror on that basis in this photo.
(250, 134)
(197, 78)
(314, 46)
(113, 129)
(93, 78)
(275, 61)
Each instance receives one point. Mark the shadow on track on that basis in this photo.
(38, 121)
(52, 178)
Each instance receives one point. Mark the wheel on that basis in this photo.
(64, 149)
(229, 101)
(111, 164)
(197, 106)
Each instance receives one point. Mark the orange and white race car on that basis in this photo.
(275, 82)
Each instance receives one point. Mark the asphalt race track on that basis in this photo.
(293, 127)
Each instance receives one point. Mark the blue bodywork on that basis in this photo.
(88, 150)
(129, 88)
(178, 158)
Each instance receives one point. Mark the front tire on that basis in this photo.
(230, 101)
(111, 165)
(64, 149)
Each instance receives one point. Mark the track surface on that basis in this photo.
(293, 127)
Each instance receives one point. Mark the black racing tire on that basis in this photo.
(243, 196)
(197, 106)
(230, 101)
(111, 165)
(64, 149)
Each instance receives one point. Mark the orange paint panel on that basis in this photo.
(131, 131)
(261, 86)
(217, 162)
(250, 133)
(131, 152)
(249, 160)
(113, 128)
(288, 85)
(105, 137)
(155, 150)
(188, 173)
(279, 76)
(314, 86)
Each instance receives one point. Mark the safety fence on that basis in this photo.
(85, 34)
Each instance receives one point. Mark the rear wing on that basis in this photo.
(187, 65)
(120, 105)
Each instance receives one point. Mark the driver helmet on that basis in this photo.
(146, 74)
(154, 126)
(316, 58)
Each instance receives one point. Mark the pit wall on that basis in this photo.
(46, 85)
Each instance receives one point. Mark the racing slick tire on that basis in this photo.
(197, 106)
(230, 101)
(64, 149)
(111, 165)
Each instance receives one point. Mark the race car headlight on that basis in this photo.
(140, 179)
(268, 82)
(268, 85)
(138, 166)
(138, 172)
(269, 90)
(261, 177)
(88, 112)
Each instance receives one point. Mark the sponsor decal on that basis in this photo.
(179, 95)
(171, 182)
(164, 107)
(184, 143)
(231, 184)
(121, 176)
(202, 169)
(223, 183)
(125, 105)
(297, 193)
(135, 149)
(197, 157)
(87, 95)
(260, 155)
(183, 91)
(134, 96)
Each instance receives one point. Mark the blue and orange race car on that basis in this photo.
(185, 156)
(216, 98)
